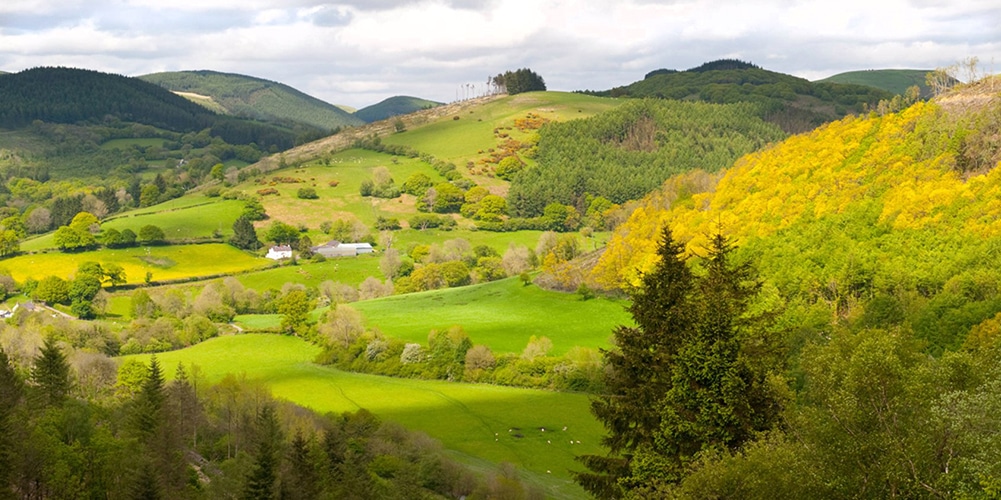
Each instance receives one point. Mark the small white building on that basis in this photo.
(335, 248)
(279, 252)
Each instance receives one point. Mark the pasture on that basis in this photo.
(479, 423)
(165, 262)
(348, 169)
(190, 216)
(501, 315)
(348, 270)
(453, 139)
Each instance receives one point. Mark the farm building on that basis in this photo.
(338, 249)
(279, 252)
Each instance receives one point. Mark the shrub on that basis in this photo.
(306, 193)
(412, 353)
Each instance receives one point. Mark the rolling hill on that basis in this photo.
(394, 106)
(255, 98)
(886, 221)
(895, 81)
(793, 103)
(77, 96)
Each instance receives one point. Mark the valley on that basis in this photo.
(553, 275)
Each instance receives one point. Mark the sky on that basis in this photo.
(358, 52)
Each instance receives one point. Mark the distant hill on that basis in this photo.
(73, 96)
(793, 103)
(255, 98)
(895, 81)
(394, 106)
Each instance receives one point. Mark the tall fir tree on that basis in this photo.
(682, 382)
(11, 397)
(262, 483)
(51, 375)
(148, 409)
(244, 235)
(639, 373)
(716, 400)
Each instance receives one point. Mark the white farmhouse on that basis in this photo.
(279, 252)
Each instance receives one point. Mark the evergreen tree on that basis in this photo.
(300, 479)
(305, 247)
(148, 410)
(188, 408)
(683, 381)
(244, 235)
(709, 404)
(11, 396)
(262, 481)
(639, 372)
(51, 375)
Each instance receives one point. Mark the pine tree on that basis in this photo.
(51, 375)
(11, 396)
(148, 411)
(718, 397)
(709, 404)
(301, 478)
(244, 235)
(262, 481)
(682, 381)
(639, 373)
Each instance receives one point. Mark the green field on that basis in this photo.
(451, 139)
(191, 216)
(348, 270)
(349, 169)
(165, 262)
(893, 80)
(480, 423)
(501, 315)
(128, 143)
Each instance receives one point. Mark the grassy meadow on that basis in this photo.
(501, 315)
(481, 424)
(190, 216)
(348, 270)
(348, 169)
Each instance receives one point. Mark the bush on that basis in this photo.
(431, 221)
(306, 193)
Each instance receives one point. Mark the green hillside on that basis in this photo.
(474, 422)
(501, 315)
(394, 106)
(895, 81)
(255, 98)
(71, 96)
(793, 103)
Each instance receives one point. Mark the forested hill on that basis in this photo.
(256, 98)
(72, 96)
(879, 221)
(795, 104)
(394, 106)
(625, 153)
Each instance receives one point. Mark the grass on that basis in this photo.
(480, 423)
(349, 169)
(192, 216)
(348, 270)
(128, 143)
(213, 215)
(893, 80)
(501, 315)
(165, 262)
(450, 139)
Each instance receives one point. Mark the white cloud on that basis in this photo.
(358, 52)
